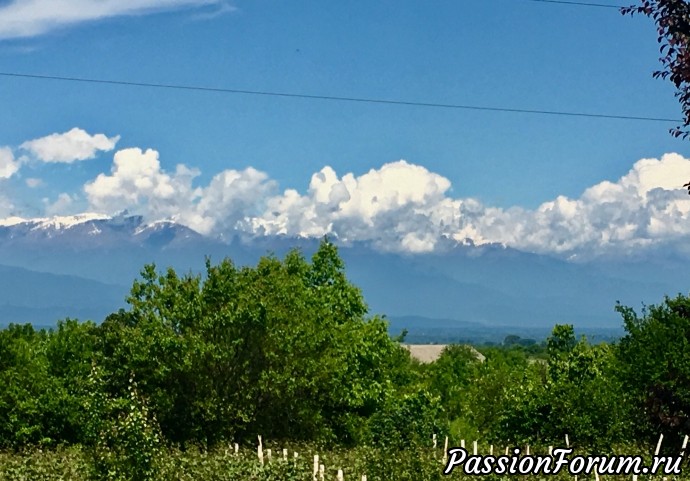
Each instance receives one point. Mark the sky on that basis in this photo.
(400, 176)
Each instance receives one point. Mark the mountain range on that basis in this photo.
(82, 266)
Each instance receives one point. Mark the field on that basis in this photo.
(293, 463)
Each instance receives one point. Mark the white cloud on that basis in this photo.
(399, 203)
(27, 18)
(8, 165)
(63, 205)
(137, 180)
(138, 183)
(404, 207)
(68, 147)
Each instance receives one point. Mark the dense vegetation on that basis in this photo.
(287, 351)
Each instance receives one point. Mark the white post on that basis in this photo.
(462, 443)
(491, 450)
(285, 453)
(433, 440)
(322, 472)
(316, 466)
(658, 445)
(340, 475)
(550, 450)
(474, 447)
(237, 448)
(364, 477)
(296, 455)
(567, 441)
(445, 451)
(527, 452)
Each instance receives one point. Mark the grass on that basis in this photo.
(418, 464)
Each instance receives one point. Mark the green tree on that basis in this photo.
(655, 364)
(577, 393)
(281, 349)
(33, 404)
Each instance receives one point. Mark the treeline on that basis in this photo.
(286, 349)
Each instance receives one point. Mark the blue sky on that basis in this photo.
(487, 172)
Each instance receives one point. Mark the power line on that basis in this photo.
(579, 4)
(333, 98)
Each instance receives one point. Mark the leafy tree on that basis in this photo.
(281, 349)
(486, 394)
(451, 375)
(34, 406)
(124, 441)
(576, 393)
(562, 341)
(655, 364)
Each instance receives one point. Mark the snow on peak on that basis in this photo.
(55, 222)
(10, 221)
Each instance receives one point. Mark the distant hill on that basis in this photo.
(42, 298)
(482, 291)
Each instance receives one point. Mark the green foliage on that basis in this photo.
(285, 349)
(486, 394)
(281, 349)
(577, 393)
(125, 442)
(451, 375)
(654, 362)
(34, 407)
(409, 420)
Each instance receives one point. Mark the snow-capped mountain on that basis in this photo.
(92, 230)
(492, 284)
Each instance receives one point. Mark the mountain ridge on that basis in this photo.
(491, 284)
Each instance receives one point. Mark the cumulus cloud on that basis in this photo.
(68, 147)
(404, 207)
(8, 164)
(28, 18)
(647, 206)
(400, 203)
(138, 183)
